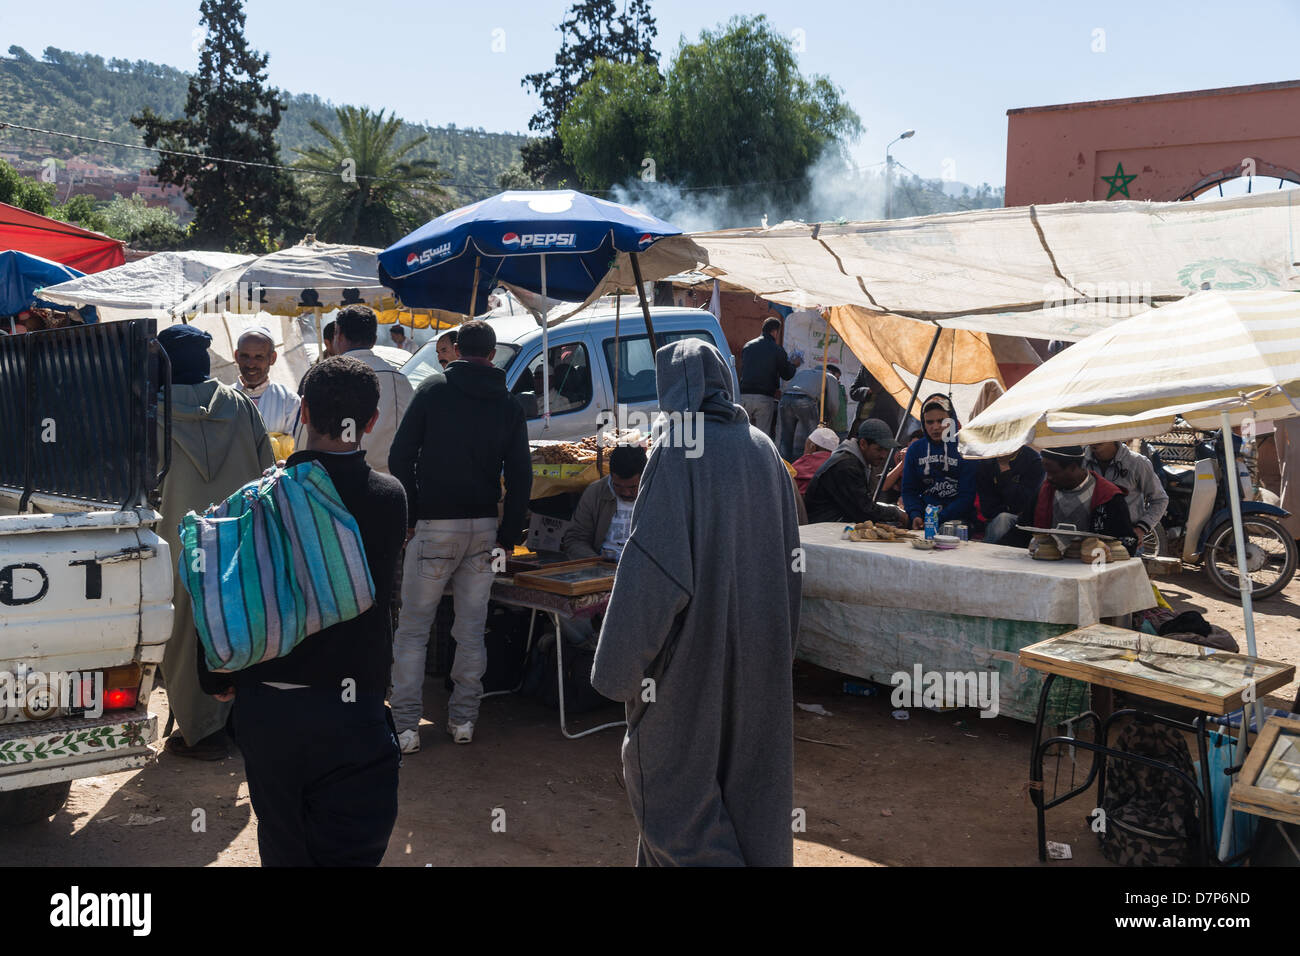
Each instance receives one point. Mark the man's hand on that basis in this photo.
(797, 361)
(225, 696)
(918, 524)
(410, 533)
(1141, 534)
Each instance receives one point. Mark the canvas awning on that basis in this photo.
(61, 242)
(1059, 271)
(144, 289)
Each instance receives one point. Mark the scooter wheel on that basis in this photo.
(1270, 557)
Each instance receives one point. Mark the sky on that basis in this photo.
(950, 69)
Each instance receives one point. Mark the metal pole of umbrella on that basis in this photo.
(902, 419)
(473, 292)
(546, 355)
(645, 306)
(320, 338)
(826, 351)
(1248, 708)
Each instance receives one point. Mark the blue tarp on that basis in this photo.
(22, 274)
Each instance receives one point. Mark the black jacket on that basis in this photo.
(763, 366)
(862, 390)
(838, 492)
(360, 649)
(460, 432)
(1013, 490)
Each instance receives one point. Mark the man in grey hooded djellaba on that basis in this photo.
(699, 636)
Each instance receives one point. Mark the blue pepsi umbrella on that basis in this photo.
(21, 274)
(559, 243)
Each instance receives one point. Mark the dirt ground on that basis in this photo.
(940, 789)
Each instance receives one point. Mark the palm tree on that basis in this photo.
(374, 195)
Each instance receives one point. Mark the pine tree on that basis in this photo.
(592, 31)
(232, 114)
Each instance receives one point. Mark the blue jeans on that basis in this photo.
(460, 551)
(1000, 526)
(798, 420)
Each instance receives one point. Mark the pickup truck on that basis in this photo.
(85, 580)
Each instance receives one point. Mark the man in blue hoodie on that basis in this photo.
(934, 472)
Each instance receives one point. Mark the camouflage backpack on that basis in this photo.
(1150, 815)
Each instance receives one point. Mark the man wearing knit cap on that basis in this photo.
(255, 354)
(840, 489)
(219, 443)
(1071, 494)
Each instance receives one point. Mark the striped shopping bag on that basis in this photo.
(278, 560)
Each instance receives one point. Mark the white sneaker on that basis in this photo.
(409, 741)
(461, 733)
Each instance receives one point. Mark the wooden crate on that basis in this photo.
(1160, 668)
(571, 578)
(1270, 771)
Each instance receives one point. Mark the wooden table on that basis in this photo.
(1209, 681)
(871, 609)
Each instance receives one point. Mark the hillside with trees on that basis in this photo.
(86, 94)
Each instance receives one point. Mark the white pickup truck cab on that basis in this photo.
(584, 358)
(85, 580)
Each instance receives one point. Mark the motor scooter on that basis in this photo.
(1198, 522)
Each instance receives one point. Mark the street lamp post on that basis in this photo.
(889, 172)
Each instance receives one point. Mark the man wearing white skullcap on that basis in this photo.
(255, 354)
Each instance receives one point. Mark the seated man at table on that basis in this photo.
(1071, 494)
(1005, 487)
(840, 490)
(604, 513)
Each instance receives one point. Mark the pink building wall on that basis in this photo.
(1173, 145)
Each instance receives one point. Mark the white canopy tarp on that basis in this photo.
(1211, 352)
(298, 279)
(144, 289)
(1061, 271)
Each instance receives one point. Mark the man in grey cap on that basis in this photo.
(841, 491)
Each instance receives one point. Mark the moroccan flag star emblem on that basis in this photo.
(1119, 182)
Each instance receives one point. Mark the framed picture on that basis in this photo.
(1269, 785)
(1161, 668)
(570, 578)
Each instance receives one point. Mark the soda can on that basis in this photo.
(963, 531)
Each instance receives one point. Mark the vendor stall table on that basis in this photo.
(580, 607)
(1211, 682)
(871, 609)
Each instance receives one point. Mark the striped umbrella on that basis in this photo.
(1201, 357)
(1215, 358)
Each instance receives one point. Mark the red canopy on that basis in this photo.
(63, 242)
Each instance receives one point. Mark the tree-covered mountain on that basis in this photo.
(86, 94)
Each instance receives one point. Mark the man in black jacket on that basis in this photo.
(1005, 487)
(462, 430)
(763, 366)
(320, 753)
(839, 489)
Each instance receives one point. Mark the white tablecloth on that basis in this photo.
(976, 579)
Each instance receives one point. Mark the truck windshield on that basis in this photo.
(425, 362)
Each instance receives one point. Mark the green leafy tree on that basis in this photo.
(737, 110)
(613, 124)
(229, 113)
(153, 228)
(591, 31)
(375, 192)
(17, 190)
(82, 211)
(514, 177)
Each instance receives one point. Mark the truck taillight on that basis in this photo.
(122, 687)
